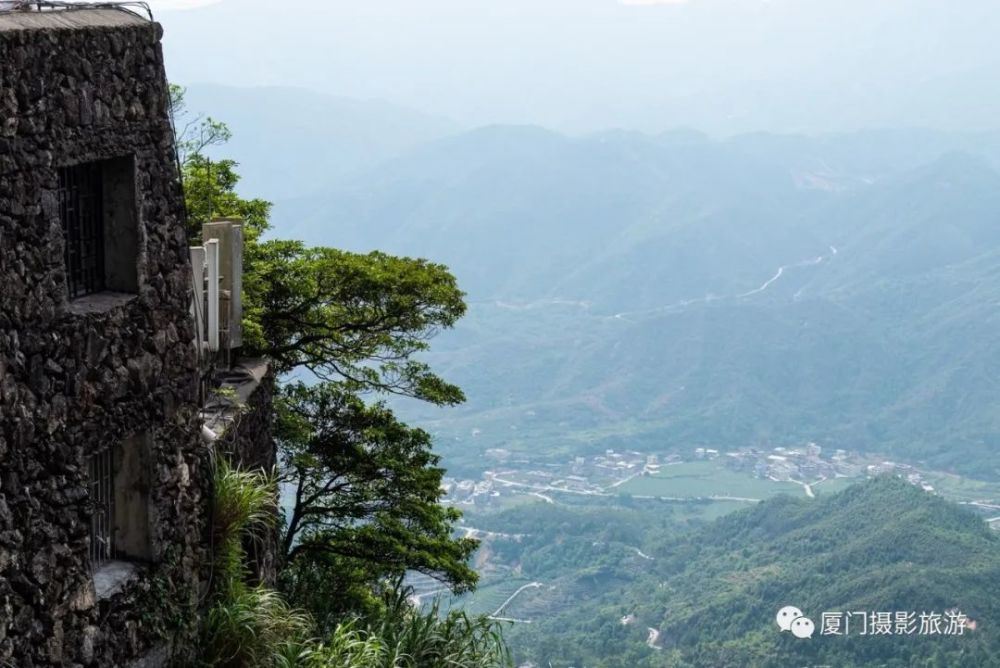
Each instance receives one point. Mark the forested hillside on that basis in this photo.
(656, 294)
(712, 594)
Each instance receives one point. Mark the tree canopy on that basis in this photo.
(366, 488)
(354, 319)
(367, 491)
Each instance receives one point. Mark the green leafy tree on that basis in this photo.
(350, 318)
(367, 492)
(210, 192)
(210, 186)
(193, 133)
(367, 500)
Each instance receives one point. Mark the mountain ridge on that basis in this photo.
(698, 292)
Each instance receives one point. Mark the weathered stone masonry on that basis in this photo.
(77, 376)
(244, 424)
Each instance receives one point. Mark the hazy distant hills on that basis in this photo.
(673, 290)
(712, 595)
(519, 212)
(294, 141)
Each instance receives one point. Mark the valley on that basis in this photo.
(696, 486)
(579, 581)
(681, 352)
(623, 313)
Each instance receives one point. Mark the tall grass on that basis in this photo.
(347, 646)
(248, 626)
(246, 508)
(404, 637)
(417, 639)
(254, 627)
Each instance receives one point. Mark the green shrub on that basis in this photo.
(254, 627)
(247, 626)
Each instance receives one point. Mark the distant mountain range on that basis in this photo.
(667, 290)
(647, 292)
(673, 290)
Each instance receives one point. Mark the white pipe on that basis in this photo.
(236, 281)
(212, 255)
(198, 300)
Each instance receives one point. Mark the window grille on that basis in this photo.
(102, 495)
(81, 211)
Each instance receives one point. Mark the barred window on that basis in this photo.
(99, 216)
(81, 199)
(102, 498)
(119, 485)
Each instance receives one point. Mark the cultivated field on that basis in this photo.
(692, 480)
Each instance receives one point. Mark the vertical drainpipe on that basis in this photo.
(198, 300)
(212, 255)
(236, 298)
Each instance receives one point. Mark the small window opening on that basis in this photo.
(81, 202)
(97, 209)
(119, 495)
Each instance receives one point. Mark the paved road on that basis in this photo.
(530, 585)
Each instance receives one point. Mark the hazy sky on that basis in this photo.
(718, 65)
(171, 5)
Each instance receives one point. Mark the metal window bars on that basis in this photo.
(81, 211)
(102, 501)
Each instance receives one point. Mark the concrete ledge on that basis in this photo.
(99, 302)
(238, 385)
(71, 19)
(111, 577)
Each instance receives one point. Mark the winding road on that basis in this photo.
(820, 259)
(496, 614)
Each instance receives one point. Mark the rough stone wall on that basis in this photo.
(249, 443)
(249, 439)
(73, 382)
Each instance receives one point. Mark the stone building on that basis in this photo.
(105, 477)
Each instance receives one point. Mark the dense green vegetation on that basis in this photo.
(247, 625)
(713, 593)
(365, 487)
(254, 627)
(617, 301)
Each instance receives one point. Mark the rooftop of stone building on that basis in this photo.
(69, 16)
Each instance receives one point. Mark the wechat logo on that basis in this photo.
(790, 618)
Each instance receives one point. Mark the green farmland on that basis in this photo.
(692, 480)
